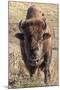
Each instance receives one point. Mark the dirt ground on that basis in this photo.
(18, 74)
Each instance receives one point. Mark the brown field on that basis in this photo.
(18, 74)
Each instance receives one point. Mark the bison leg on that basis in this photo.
(46, 70)
(47, 75)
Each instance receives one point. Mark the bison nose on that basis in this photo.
(34, 61)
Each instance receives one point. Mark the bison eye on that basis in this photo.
(42, 14)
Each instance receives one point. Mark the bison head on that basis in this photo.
(34, 34)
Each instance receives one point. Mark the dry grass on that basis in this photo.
(18, 74)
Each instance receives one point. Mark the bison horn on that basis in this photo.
(20, 24)
(44, 25)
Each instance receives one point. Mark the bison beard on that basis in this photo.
(35, 45)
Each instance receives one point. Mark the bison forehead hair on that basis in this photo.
(33, 30)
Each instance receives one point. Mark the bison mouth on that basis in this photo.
(36, 62)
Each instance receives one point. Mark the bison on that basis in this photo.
(36, 38)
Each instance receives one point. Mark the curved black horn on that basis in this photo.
(20, 24)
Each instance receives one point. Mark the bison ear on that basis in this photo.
(46, 36)
(20, 36)
(44, 25)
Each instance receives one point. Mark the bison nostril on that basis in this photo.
(37, 60)
(42, 14)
